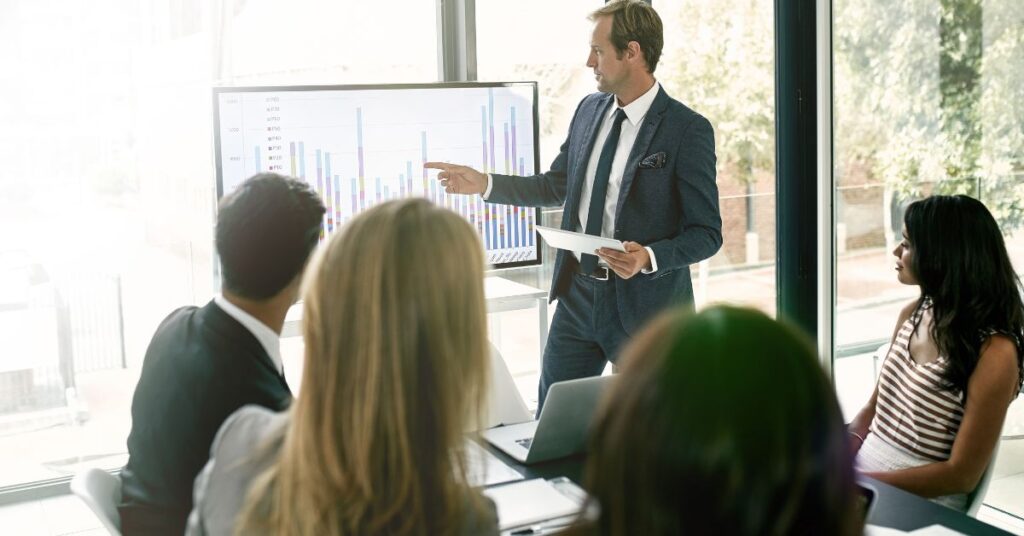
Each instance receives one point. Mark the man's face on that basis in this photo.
(610, 70)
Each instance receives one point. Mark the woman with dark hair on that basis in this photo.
(954, 365)
(697, 437)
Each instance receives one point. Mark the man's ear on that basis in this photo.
(633, 51)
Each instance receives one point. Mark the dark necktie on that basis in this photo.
(595, 217)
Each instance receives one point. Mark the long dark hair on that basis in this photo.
(720, 423)
(960, 261)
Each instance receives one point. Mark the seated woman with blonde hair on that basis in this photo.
(954, 365)
(719, 423)
(395, 368)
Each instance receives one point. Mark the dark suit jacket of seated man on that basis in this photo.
(205, 363)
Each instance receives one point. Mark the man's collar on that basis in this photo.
(636, 110)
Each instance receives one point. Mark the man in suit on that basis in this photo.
(637, 166)
(205, 363)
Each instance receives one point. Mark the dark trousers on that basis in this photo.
(585, 334)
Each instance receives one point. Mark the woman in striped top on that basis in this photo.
(954, 365)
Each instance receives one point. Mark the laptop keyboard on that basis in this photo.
(525, 443)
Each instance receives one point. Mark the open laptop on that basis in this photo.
(562, 427)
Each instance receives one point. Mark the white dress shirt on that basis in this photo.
(635, 112)
(268, 338)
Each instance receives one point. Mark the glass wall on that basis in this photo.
(107, 196)
(928, 99)
(719, 60)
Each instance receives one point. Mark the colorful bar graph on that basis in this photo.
(327, 192)
(359, 146)
(336, 206)
(507, 232)
(292, 150)
(423, 153)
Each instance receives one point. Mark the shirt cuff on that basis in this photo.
(654, 262)
(487, 191)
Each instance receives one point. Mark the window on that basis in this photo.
(557, 62)
(107, 199)
(924, 103)
(718, 60)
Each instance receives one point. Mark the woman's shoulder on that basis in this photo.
(246, 429)
(908, 308)
(1000, 360)
(482, 514)
(906, 312)
(1000, 349)
(245, 446)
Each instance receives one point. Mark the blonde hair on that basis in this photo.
(395, 370)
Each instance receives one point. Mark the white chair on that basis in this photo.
(977, 497)
(878, 356)
(101, 492)
(505, 405)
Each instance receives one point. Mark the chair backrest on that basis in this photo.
(977, 497)
(505, 404)
(879, 357)
(101, 492)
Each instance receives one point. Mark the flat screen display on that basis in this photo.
(358, 146)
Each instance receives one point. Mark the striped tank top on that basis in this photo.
(916, 410)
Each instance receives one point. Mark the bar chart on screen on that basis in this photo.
(359, 147)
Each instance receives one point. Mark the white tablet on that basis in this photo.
(577, 242)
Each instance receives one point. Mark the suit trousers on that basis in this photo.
(586, 333)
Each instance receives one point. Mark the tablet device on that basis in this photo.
(577, 242)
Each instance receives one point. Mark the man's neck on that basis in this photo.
(635, 91)
(270, 312)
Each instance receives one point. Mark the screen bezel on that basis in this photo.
(218, 90)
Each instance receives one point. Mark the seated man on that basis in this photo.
(205, 363)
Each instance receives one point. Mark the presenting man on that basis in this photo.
(637, 166)
(204, 363)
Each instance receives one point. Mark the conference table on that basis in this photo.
(892, 507)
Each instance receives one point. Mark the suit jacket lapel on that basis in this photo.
(643, 142)
(581, 160)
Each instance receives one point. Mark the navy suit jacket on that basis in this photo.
(671, 208)
(200, 367)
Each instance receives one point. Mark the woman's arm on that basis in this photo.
(858, 427)
(989, 392)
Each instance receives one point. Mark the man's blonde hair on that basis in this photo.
(634, 20)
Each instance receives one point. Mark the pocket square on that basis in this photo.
(654, 161)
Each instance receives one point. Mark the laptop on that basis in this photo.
(562, 427)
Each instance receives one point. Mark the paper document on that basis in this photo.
(530, 501)
(577, 242)
(875, 530)
(485, 469)
(936, 530)
(932, 530)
